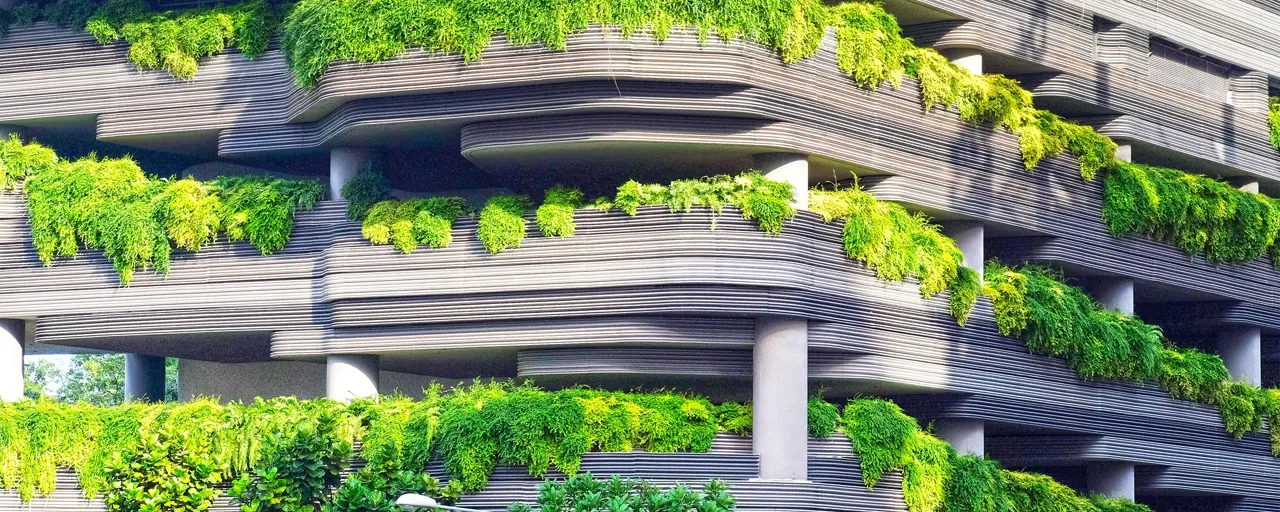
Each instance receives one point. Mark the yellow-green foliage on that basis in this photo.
(756, 197)
(502, 223)
(1273, 120)
(408, 224)
(1198, 214)
(136, 219)
(1039, 493)
(555, 216)
(897, 244)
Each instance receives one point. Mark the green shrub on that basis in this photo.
(1038, 493)
(735, 417)
(582, 492)
(766, 201)
(1273, 120)
(881, 434)
(824, 417)
(302, 471)
(870, 47)
(368, 491)
(555, 216)
(965, 289)
(367, 188)
(1193, 375)
(1244, 408)
(897, 244)
(408, 224)
(1106, 504)
(977, 485)
(502, 223)
(1198, 214)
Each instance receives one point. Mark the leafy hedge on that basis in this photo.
(897, 244)
(137, 220)
(1059, 320)
(582, 493)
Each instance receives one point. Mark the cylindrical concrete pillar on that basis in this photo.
(780, 392)
(1112, 479)
(1124, 153)
(351, 376)
(12, 333)
(344, 163)
(966, 436)
(967, 58)
(143, 377)
(970, 237)
(1241, 350)
(790, 168)
(1244, 183)
(1113, 293)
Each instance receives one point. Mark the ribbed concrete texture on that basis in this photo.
(1241, 350)
(351, 376)
(967, 58)
(1114, 293)
(11, 337)
(143, 377)
(792, 168)
(344, 163)
(970, 237)
(966, 436)
(1114, 479)
(780, 389)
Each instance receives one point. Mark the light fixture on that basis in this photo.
(415, 502)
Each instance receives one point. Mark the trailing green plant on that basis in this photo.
(1059, 320)
(555, 216)
(977, 485)
(367, 188)
(897, 244)
(502, 223)
(1190, 374)
(410, 223)
(1273, 120)
(582, 492)
(824, 417)
(302, 471)
(137, 220)
(756, 197)
(1038, 493)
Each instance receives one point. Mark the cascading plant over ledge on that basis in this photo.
(137, 220)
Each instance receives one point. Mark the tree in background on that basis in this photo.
(97, 379)
(38, 377)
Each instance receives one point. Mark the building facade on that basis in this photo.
(699, 301)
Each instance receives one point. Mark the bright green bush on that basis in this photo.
(367, 188)
(555, 216)
(408, 224)
(1059, 320)
(881, 434)
(1193, 375)
(824, 417)
(1273, 120)
(756, 197)
(735, 417)
(175, 42)
(977, 485)
(583, 492)
(897, 244)
(1039, 493)
(502, 223)
(1198, 214)
(302, 471)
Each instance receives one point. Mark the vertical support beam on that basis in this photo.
(351, 376)
(143, 378)
(1244, 183)
(1113, 293)
(1112, 479)
(344, 163)
(780, 389)
(12, 334)
(1124, 153)
(968, 437)
(790, 168)
(967, 58)
(1241, 350)
(970, 237)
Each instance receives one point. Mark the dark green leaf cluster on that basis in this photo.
(555, 216)
(302, 471)
(171, 470)
(367, 188)
(408, 224)
(897, 244)
(502, 223)
(136, 219)
(583, 493)
(756, 197)
(1060, 320)
(1273, 120)
(368, 491)
(1198, 214)
(824, 417)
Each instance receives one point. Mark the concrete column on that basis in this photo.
(12, 333)
(1244, 183)
(1241, 349)
(780, 392)
(790, 168)
(966, 436)
(1113, 479)
(970, 238)
(1124, 153)
(344, 163)
(967, 58)
(143, 378)
(351, 376)
(1113, 293)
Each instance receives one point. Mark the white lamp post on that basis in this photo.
(414, 502)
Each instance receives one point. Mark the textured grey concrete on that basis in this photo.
(11, 369)
(780, 391)
(970, 237)
(966, 436)
(790, 168)
(1112, 479)
(1241, 350)
(344, 163)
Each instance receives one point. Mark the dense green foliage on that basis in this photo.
(897, 244)
(1060, 320)
(1273, 120)
(756, 197)
(95, 379)
(367, 188)
(137, 220)
(583, 493)
(302, 471)
(408, 224)
(502, 223)
(1198, 214)
(369, 491)
(824, 417)
(555, 216)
